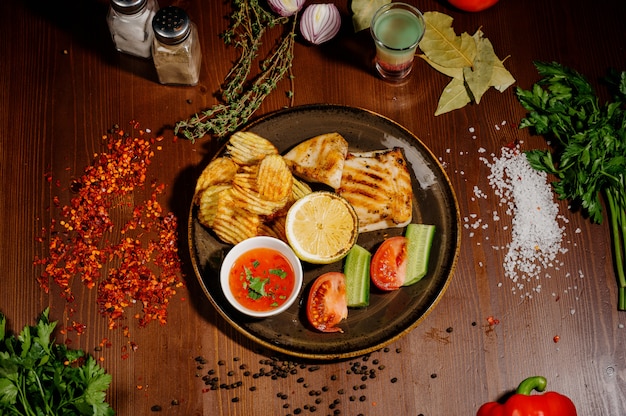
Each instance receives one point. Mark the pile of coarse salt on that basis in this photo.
(527, 197)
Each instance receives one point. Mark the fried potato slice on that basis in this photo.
(319, 159)
(220, 170)
(233, 224)
(248, 199)
(246, 180)
(300, 189)
(208, 201)
(247, 148)
(274, 179)
(274, 228)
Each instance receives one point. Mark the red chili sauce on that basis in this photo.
(261, 279)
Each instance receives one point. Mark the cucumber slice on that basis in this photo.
(420, 240)
(357, 271)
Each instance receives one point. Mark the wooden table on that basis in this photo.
(63, 87)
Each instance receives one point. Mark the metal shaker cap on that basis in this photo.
(171, 25)
(128, 6)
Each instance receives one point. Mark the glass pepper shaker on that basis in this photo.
(176, 49)
(130, 23)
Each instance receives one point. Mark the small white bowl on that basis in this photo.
(244, 247)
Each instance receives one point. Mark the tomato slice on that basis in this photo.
(388, 267)
(327, 304)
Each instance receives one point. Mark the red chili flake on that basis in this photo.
(492, 321)
(143, 265)
(512, 144)
(78, 328)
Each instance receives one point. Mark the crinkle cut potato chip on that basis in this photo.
(247, 191)
(274, 228)
(208, 201)
(233, 224)
(247, 148)
(246, 180)
(220, 170)
(300, 188)
(274, 179)
(253, 202)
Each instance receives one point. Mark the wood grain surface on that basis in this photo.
(62, 86)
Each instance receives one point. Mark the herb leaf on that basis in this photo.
(363, 11)
(256, 288)
(35, 379)
(588, 155)
(278, 272)
(242, 92)
(442, 45)
(470, 61)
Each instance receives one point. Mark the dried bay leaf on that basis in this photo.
(451, 72)
(501, 78)
(363, 11)
(441, 44)
(470, 61)
(478, 78)
(453, 97)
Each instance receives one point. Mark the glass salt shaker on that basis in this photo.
(176, 49)
(130, 23)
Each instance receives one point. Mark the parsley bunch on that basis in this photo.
(588, 141)
(40, 377)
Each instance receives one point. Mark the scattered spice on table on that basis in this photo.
(524, 196)
(329, 396)
(129, 263)
(492, 321)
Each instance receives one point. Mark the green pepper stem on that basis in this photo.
(538, 383)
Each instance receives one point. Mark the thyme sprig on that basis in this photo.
(242, 94)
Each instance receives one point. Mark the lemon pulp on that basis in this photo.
(321, 227)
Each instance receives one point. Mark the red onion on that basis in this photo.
(286, 8)
(320, 23)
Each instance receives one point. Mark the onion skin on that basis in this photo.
(286, 8)
(320, 23)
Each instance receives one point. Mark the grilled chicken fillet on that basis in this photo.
(378, 185)
(319, 159)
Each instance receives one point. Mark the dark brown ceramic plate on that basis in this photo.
(389, 315)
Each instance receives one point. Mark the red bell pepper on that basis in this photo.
(524, 404)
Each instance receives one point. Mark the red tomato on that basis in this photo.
(388, 267)
(473, 5)
(327, 304)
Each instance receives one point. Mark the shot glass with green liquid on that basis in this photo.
(397, 29)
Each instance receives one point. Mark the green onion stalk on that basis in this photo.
(616, 200)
